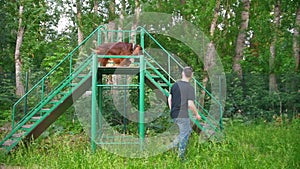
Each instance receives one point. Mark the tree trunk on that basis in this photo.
(240, 43)
(137, 11)
(121, 21)
(210, 54)
(79, 22)
(96, 6)
(296, 40)
(111, 21)
(272, 77)
(18, 63)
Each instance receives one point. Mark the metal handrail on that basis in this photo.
(170, 57)
(41, 83)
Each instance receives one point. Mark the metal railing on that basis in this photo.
(173, 65)
(46, 84)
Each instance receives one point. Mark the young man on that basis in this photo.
(181, 99)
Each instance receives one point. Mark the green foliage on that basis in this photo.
(5, 116)
(7, 35)
(252, 100)
(7, 96)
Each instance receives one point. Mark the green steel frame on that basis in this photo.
(149, 70)
(97, 89)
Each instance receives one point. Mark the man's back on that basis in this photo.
(181, 92)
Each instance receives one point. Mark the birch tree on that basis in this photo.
(137, 11)
(79, 22)
(240, 42)
(296, 39)
(18, 63)
(211, 49)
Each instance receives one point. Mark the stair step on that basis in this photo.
(63, 93)
(36, 118)
(27, 126)
(9, 142)
(45, 110)
(155, 77)
(163, 84)
(17, 135)
(54, 101)
(81, 75)
(73, 84)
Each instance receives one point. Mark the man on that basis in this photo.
(181, 99)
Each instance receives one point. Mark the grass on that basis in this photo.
(262, 145)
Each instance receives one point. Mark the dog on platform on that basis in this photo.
(117, 48)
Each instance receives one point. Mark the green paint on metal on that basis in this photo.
(148, 69)
(141, 101)
(94, 102)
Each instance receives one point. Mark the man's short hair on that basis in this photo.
(188, 71)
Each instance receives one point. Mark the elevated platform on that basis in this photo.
(118, 70)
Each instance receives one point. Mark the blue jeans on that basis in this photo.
(185, 130)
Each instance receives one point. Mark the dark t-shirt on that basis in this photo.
(181, 92)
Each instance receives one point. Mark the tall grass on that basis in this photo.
(262, 145)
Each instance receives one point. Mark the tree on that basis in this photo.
(210, 55)
(7, 35)
(18, 63)
(79, 22)
(241, 39)
(272, 77)
(296, 39)
(136, 17)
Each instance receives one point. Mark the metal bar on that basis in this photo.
(94, 102)
(141, 101)
(70, 64)
(124, 85)
(100, 106)
(119, 56)
(125, 107)
(99, 40)
(43, 89)
(26, 90)
(220, 106)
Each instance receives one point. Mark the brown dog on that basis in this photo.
(118, 48)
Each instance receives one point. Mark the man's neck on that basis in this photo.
(185, 79)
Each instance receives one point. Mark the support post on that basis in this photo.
(141, 101)
(94, 102)
(100, 98)
(220, 102)
(99, 41)
(26, 90)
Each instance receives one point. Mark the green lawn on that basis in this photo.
(263, 145)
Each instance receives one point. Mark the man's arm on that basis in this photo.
(192, 107)
(170, 101)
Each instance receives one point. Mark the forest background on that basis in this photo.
(257, 42)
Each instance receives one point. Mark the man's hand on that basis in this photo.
(198, 117)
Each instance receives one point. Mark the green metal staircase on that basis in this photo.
(42, 115)
(42, 105)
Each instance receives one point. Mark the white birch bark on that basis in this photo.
(79, 22)
(18, 64)
(137, 12)
(296, 40)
